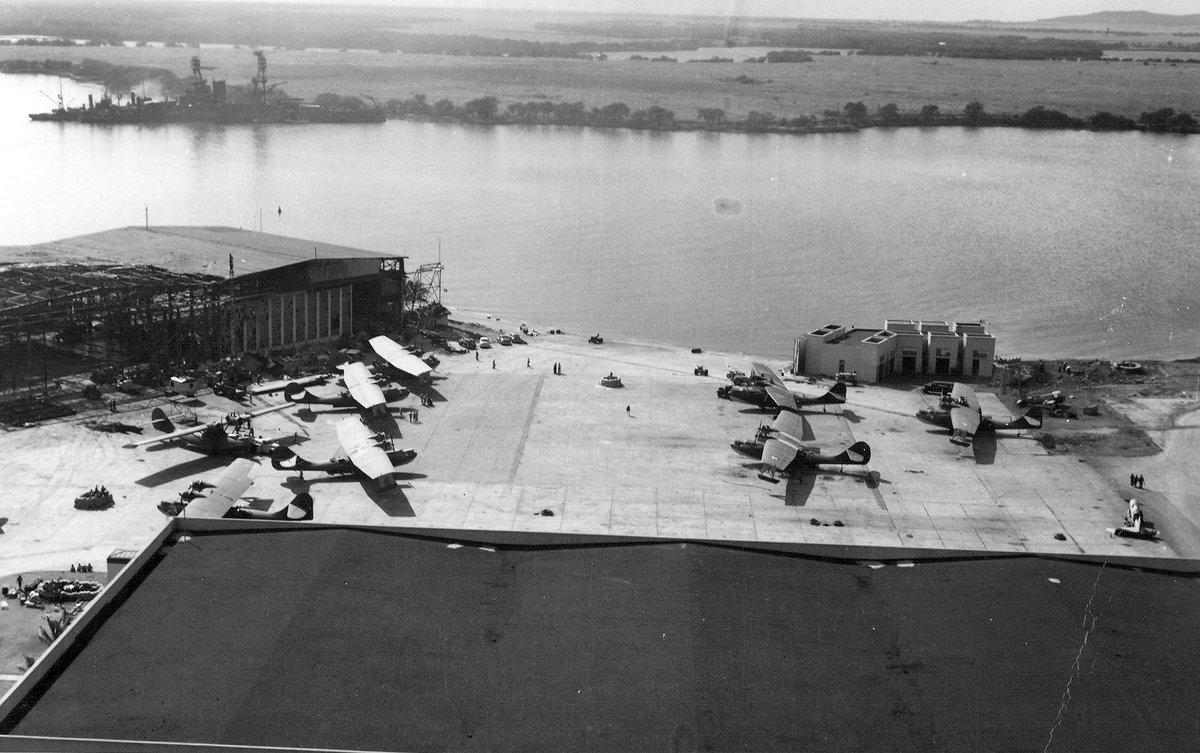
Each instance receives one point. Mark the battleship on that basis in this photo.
(211, 102)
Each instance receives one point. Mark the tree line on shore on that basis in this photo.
(488, 110)
(851, 116)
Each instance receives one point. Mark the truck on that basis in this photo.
(185, 386)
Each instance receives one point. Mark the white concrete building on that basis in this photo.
(962, 350)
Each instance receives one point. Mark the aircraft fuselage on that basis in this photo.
(942, 418)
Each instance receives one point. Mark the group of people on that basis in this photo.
(558, 368)
(81, 568)
(1137, 480)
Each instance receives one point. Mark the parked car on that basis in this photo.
(129, 387)
(505, 340)
(467, 343)
(518, 340)
(938, 388)
(485, 343)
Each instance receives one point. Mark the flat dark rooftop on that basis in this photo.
(358, 639)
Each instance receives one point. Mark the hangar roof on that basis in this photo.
(182, 249)
(361, 639)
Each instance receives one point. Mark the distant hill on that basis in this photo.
(1127, 18)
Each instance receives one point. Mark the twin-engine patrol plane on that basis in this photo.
(362, 392)
(362, 452)
(222, 499)
(768, 392)
(212, 438)
(410, 366)
(780, 448)
(963, 416)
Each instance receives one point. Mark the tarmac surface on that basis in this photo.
(252, 639)
(511, 446)
(682, 617)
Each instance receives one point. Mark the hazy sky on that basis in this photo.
(933, 10)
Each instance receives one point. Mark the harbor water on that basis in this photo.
(1068, 244)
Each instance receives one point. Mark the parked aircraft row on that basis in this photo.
(781, 447)
(364, 388)
(361, 451)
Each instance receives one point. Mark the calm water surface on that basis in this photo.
(1072, 244)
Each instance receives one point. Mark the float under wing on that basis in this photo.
(392, 352)
(362, 387)
(364, 450)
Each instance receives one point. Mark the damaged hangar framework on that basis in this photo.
(196, 293)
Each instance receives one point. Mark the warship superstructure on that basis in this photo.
(213, 102)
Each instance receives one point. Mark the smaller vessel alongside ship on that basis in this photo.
(205, 102)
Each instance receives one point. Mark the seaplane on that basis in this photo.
(764, 389)
(363, 452)
(780, 448)
(363, 392)
(961, 413)
(222, 499)
(409, 365)
(213, 438)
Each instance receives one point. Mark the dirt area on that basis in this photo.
(1114, 409)
(19, 626)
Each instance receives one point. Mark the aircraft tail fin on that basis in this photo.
(837, 393)
(283, 459)
(294, 393)
(858, 453)
(159, 420)
(1032, 419)
(300, 508)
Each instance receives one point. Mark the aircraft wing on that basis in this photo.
(965, 422)
(390, 351)
(231, 485)
(783, 397)
(777, 454)
(169, 437)
(766, 372)
(363, 449)
(201, 427)
(964, 395)
(790, 427)
(362, 388)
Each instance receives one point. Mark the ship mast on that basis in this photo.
(260, 78)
